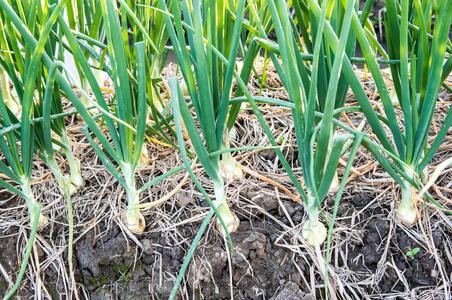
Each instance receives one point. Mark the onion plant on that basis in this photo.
(417, 80)
(34, 136)
(28, 82)
(131, 109)
(308, 27)
(127, 122)
(209, 81)
(310, 88)
(139, 22)
(15, 167)
(411, 153)
(12, 60)
(145, 22)
(249, 48)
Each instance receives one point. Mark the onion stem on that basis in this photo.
(98, 74)
(229, 218)
(406, 212)
(155, 93)
(85, 86)
(75, 177)
(229, 169)
(314, 232)
(53, 166)
(5, 85)
(31, 203)
(133, 218)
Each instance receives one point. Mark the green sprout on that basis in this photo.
(412, 253)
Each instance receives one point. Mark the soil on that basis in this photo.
(108, 268)
(112, 267)
(366, 254)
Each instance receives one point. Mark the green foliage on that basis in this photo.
(412, 253)
(313, 88)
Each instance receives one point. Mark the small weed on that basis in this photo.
(124, 276)
(412, 253)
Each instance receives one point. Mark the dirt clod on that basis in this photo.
(291, 291)
(361, 200)
(268, 154)
(261, 198)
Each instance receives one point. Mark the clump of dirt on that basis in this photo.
(291, 291)
(360, 200)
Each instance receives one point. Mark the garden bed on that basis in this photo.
(373, 256)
